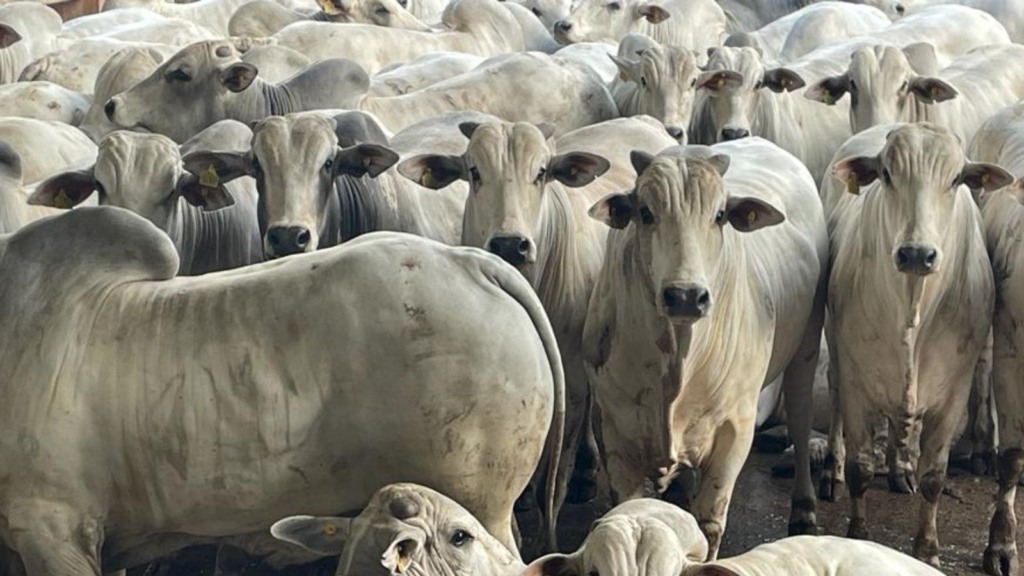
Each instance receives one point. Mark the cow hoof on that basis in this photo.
(858, 529)
(902, 481)
(927, 551)
(1000, 561)
(581, 491)
(803, 527)
(828, 488)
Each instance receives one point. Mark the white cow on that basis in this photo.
(130, 451)
(122, 71)
(959, 97)
(420, 72)
(910, 300)
(43, 101)
(259, 18)
(78, 64)
(749, 15)
(691, 24)
(210, 14)
(1010, 13)
(1001, 141)
(596, 55)
(46, 147)
(136, 25)
(691, 316)
(213, 227)
(15, 211)
(276, 63)
(27, 31)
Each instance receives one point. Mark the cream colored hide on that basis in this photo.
(77, 66)
(123, 70)
(210, 14)
(1000, 140)
(27, 31)
(1009, 13)
(137, 25)
(420, 72)
(910, 301)
(713, 285)
(528, 203)
(15, 211)
(46, 147)
(43, 101)
(959, 97)
(259, 18)
(161, 448)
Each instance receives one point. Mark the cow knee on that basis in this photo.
(858, 477)
(1011, 466)
(931, 486)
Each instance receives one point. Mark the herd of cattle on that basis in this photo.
(680, 219)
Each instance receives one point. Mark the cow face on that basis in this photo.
(677, 216)
(883, 85)
(386, 13)
(922, 172)
(186, 93)
(606, 20)
(139, 172)
(666, 78)
(733, 84)
(509, 167)
(405, 529)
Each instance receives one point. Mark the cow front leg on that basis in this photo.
(834, 471)
(54, 539)
(936, 438)
(711, 505)
(860, 466)
(901, 461)
(1001, 553)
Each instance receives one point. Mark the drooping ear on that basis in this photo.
(983, 176)
(372, 159)
(65, 190)
(708, 570)
(215, 168)
(828, 90)
(922, 58)
(720, 162)
(210, 196)
(8, 36)
(325, 535)
(468, 128)
(238, 76)
(615, 210)
(553, 565)
(10, 162)
(628, 69)
(653, 13)
(718, 80)
(547, 130)
(355, 127)
(577, 169)
(782, 80)
(433, 171)
(856, 172)
(640, 160)
(931, 90)
(749, 214)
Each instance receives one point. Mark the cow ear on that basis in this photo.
(627, 69)
(640, 160)
(749, 214)
(468, 128)
(65, 190)
(720, 80)
(615, 210)
(782, 80)
(710, 571)
(857, 172)
(208, 197)
(553, 565)
(8, 36)
(546, 129)
(989, 177)
(216, 168)
(238, 76)
(434, 171)
(653, 13)
(720, 162)
(577, 169)
(10, 162)
(931, 90)
(324, 535)
(828, 90)
(922, 58)
(372, 159)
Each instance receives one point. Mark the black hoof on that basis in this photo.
(1000, 562)
(858, 529)
(828, 488)
(903, 482)
(801, 527)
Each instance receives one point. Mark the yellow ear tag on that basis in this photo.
(720, 83)
(935, 92)
(329, 7)
(985, 178)
(852, 187)
(427, 179)
(751, 218)
(61, 200)
(826, 98)
(330, 529)
(208, 178)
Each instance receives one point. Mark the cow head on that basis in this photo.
(733, 84)
(883, 85)
(922, 174)
(606, 20)
(509, 167)
(677, 215)
(386, 13)
(405, 529)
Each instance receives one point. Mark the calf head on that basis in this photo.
(677, 215)
(509, 168)
(387, 13)
(921, 171)
(606, 20)
(883, 85)
(295, 160)
(138, 172)
(405, 529)
(185, 94)
(733, 84)
(666, 77)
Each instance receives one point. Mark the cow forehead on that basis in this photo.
(293, 137)
(871, 61)
(922, 150)
(668, 62)
(678, 183)
(207, 52)
(506, 143)
(743, 60)
(123, 142)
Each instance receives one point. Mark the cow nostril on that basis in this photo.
(273, 239)
(302, 238)
(524, 247)
(703, 299)
(929, 258)
(902, 256)
(493, 246)
(564, 25)
(671, 297)
(675, 132)
(109, 108)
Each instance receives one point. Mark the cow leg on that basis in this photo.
(711, 505)
(798, 393)
(54, 539)
(902, 479)
(834, 472)
(860, 463)
(936, 438)
(583, 485)
(982, 423)
(1001, 554)
(10, 563)
(624, 476)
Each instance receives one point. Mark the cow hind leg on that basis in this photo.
(1001, 554)
(798, 383)
(55, 540)
(833, 472)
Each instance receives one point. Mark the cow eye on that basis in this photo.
(886, 177)
(759, 85)
(99, 187)
(613, 6)
(474, 174)
(536, 12)
(541, 174)
(382, 10)
(593, 573)
(328, 164)
(693, 83)
(853, 86)
(256, 168)
(720, 217)
(178, 75)
(460, 538)
(643, 82)
(646, 216)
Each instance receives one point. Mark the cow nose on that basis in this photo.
(675, 132)
(511, 249)
(563, 25)
(900, 9)
(734, 133)
(916, 259)
(109, 109)
(686, 301)
(287, 240)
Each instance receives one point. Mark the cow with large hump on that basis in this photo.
(528, 201)
(712, 286)
(910, 300)
(127, 452)
(213, 225)
(325, 180)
